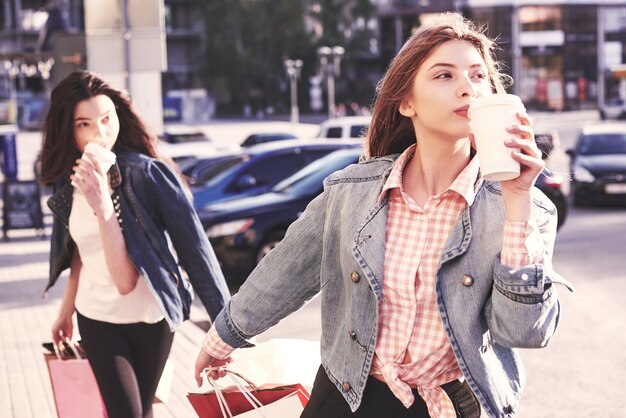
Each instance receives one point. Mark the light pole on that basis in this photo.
(293, 68)
(330, 60)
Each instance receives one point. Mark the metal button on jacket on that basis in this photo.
(355, 277)
(467, 280)
(345, 386)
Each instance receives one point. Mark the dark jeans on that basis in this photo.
(379, 402)
(127, 361)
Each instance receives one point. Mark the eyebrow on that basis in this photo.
(105, 113)
(447, 65)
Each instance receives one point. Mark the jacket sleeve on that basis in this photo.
(286, 278)
(524, 310)
(192, 246)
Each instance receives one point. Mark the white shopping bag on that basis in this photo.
(287, 407)
(279, 360)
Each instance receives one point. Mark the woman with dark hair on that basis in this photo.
(429, 275)
(118, 210)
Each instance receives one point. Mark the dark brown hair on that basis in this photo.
(389, 131)
(59, 150)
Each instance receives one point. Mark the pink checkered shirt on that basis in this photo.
(413, 349)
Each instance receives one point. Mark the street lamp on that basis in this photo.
(293, 68)
(330, 60)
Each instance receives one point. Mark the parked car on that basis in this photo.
(549, 182)
(185, 143)
(598, 164)
(614, 108)
(344, 127)
(256, 139)
(243, 231)
(255, 170)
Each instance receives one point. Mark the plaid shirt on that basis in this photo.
(412, 348)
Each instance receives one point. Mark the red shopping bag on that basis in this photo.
(76, 393)
(207, 405)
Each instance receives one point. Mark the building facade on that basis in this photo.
(562, 55)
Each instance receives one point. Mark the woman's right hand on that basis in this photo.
(62, 329)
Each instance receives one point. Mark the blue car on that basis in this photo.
(242, 231)
(254, 170)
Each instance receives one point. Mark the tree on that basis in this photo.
(247, 42)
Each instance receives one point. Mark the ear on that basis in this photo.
(406, 109)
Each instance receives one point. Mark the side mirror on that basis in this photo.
(245, 182)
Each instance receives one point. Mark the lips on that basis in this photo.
(462, 111)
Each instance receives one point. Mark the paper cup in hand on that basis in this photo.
(103, 157)
(490, 116)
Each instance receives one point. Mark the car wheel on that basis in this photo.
(269, 243)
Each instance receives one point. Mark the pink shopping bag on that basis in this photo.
(76, 393)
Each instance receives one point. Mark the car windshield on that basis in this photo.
(310, 178)
(207, 169)
(183, 138)
(602, 144)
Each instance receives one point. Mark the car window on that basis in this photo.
(206, 170)
(273, 168)
(315, 154)
(357, 131)
(334, 132)
(310, 178)
(602, 144)
(185, 138)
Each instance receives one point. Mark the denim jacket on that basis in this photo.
(152, 210)
(337, 247)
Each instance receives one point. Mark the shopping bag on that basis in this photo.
(279, 360)
(267, 401)
(76, 393)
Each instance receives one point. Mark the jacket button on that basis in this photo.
(355, 277)
(467, 280)
(345, 386)
(352, 334)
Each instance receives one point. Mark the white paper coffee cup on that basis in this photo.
(103, 157)
(490, 116)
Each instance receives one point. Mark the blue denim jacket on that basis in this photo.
(338, 247)
(152, 210)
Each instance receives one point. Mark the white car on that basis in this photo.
(345, 127)
(183, 142)
(613, 109)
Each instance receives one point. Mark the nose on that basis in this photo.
(467, 88)
(100, 131)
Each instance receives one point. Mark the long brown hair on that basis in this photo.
(389, 131)
(59, 150)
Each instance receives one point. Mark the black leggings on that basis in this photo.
(127, 361)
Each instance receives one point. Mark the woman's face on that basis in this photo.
(95, 120)
(445, 84)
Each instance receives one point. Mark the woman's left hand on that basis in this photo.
(529, 157)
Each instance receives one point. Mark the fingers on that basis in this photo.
(210, 366)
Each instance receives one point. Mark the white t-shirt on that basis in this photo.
(97, 297)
